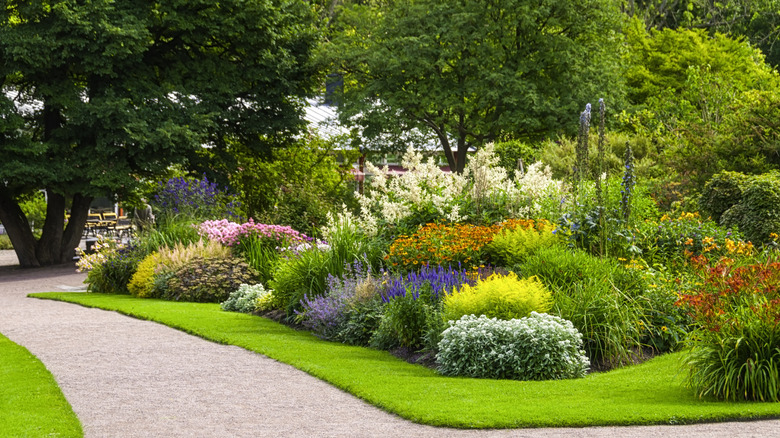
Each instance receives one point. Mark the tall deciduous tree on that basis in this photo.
(99, 93)
(474, 71)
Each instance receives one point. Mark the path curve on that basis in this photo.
(130, 378)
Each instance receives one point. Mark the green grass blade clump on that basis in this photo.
(31, 403)
(650, 393)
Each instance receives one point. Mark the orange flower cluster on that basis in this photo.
(439, 244)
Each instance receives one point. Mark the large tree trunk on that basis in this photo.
(58, 242)
(18, 229)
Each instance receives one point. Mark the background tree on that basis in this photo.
(98, 94)
(473, 71)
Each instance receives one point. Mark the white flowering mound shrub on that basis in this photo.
(245, 298)
(538, 347)
(425, 189)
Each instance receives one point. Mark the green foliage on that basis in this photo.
(113, 274)
(536, 347)
(305, 272)
(758, 214)
(360, 323)
(511, 246)
(125, 90)
(261, 254)
(597, 296)
(168, 233)
(142, 282)
(468, 70)
(406, 322)
(5, 242)
(297, 185)
(208, 280)
(245, 298)
(499, 296)
(510, 153)
(34, 208)
(720, 193)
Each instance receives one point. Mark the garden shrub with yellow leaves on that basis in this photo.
(498, 296)
(518, 239)
(142, 282)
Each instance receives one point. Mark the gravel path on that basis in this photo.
(131, 378)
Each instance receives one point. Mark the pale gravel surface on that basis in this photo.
(131, 378)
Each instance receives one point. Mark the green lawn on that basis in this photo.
(650, 393)
(31, 403)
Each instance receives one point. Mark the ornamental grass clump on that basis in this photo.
(440, 244)
(735, 350)
(537, 347)
(498, 296)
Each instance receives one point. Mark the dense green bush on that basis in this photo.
(538, 347)
(758, 214)
(722, 192)
(244, 299)
(112, 275)
(208, 280)
(5, 242)
(509, 152)
(597, 296)
(407, 322)
(499, 296)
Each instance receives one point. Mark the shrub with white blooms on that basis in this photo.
(538, 347)
(425, 189)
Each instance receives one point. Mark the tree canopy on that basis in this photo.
(99, 94)
(474, 71)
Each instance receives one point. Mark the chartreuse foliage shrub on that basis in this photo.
(498, 296)
(597, 296)
(735, 351)
(518, 239)
(245, 298)
(208, 280)
(142, 282)
(536, 347)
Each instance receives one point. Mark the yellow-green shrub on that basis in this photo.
(142, 282)
(498, 296)
(513, 244)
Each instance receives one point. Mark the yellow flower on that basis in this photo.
(689, 241)
(664, 329)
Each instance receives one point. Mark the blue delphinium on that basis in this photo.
(440, 280)
(199, 198)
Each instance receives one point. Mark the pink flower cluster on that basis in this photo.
(230, 233)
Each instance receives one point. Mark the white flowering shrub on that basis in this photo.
(245, 298)
(425, 193)
(538, 347)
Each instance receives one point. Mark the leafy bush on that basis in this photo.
(499, 296)
(168, 233)
(735, 352)
(513, 243)
(305, 272)
(111, 266)
(360, 322)
(406, 322)
(208, 280)
(245, 298)
(537, 347)
(722, 192)
(758, 213)
(598, 296)
(142, 282)
(439, 244)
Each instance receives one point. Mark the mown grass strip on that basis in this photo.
(31, 403)
(650, 393)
